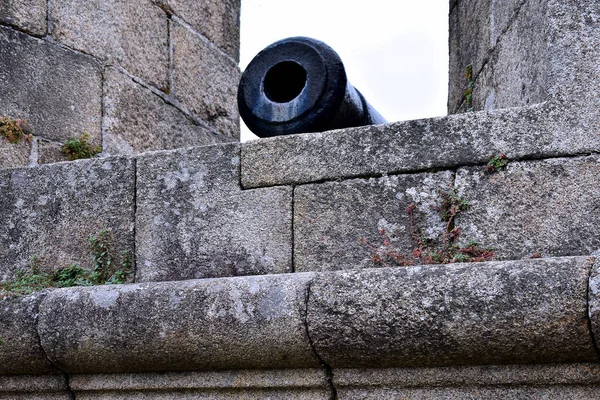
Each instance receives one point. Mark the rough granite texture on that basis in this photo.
(205, 81)
(242, 384)
(50, 152)
(528, 311)
(27, 15)
(508, 81)
(409, 146)
(549, 206)
(218, 20)
(132, 34)
(58, 92)
(477, 376)
(49, 212)
(193, 221)
(331, 218)
(211, 324)
(137, 120)
(20, 349)
(594, 296)
(14, 155)
(477, 393)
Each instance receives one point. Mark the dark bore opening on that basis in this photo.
(284, 81)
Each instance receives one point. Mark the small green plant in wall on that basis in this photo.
(14, 130)
(426, 252)
(106, 269)
(497, 163)
(78, 148)
(468, 95)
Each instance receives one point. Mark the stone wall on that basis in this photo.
(304, 266)
(135, 76)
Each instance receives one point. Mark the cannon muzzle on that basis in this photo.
(299, 85)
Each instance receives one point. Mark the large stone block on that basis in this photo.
(20, 348)
(136, 120)
(218, 20)
(133, 34)
(14, 155)
(211, 324)
(446, 142)
(34, 387)
(512, 312)
(205, 81)
(549, 206)
(552, 381)
(469, 41)
(49, 212)
(58, 92)
(27, 15)
(194, 221)
(331, 218)
(293, 384)
(517, 71)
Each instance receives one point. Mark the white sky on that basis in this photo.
(395, 51)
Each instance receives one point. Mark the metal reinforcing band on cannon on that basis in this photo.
(299, 85)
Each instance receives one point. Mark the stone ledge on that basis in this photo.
(539, 131)
(511, 312)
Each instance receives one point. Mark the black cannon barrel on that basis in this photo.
(299, 85)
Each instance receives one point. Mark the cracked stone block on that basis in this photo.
(508, 80)
(205, 81)
(469, 41)
(49, 212)
(137, 120)
(26, 15)
(133, 34)
(20, 349)
(194, 221)
(493, 313)
(57, 91)
(210, 324)
(218, 20)
(14, 155)
(548, 206)
(331, 218)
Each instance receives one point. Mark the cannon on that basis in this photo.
(299, 85)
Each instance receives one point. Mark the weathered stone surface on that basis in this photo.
(14, 155)
(27, 15)
(478, 376)
(218, 20)
(49, 212)
(465, 139)
(509, 81)
(136, 120)
(20, 350)
(469, 41)
(32, 387)
(573, 381)
(205, 81)
(58, 92)
(245, 384)
(528, 311)
(594, 297)
(193, 221)
(475, 393)
(331, 218)
(548, 206)
(133, 34)
(212, 324)
(50, 152)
